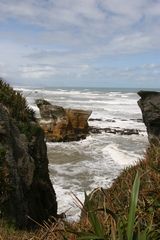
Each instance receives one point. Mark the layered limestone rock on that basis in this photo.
(150, 107)
(61, 124)
(26, 193)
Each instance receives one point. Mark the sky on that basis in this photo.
(80, 43)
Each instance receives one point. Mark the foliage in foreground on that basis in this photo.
(124, 227)
(129, 210)
(15, 102)
(19, 110)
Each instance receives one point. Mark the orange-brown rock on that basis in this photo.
(61, 124)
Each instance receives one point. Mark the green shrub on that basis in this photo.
(16, 103)
(127, 227)
(19, 110)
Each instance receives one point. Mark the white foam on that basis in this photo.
(97, 160)
(120, 156)
(66, 203)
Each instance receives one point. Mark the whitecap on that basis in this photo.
(121, 157)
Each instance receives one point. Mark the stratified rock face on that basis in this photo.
(150, 107)
(61, 124)
(26, 191)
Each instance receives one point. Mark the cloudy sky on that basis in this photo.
(88, 43)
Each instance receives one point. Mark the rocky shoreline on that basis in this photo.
(64, 125)
(113, 120)
(25, 186)
(113, 130)
(120, 131)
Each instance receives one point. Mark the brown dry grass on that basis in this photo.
(50, 231)
(116, 198)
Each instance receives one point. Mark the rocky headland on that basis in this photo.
(64, 125)
(26, 192)
(60, 124)
(150, 107)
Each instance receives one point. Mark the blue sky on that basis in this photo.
(86, 43)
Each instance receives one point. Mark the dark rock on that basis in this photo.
(26, 191)
(110, 120)
(99, 119)
(146, 94)
(61, 124)
(95, 119)
(49, 111)
(136, 120)
(150, 107)
(41, 102)
(117, 130)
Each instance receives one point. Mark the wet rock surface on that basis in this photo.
(100, 120)
(120, 131)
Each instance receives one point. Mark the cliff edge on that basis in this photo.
(149, 104)
(26, 192)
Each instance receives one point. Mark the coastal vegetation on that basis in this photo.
(16, 104)
(26, 191)
(18, 109)
(128, 210)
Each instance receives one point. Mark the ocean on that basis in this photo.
(95, 162)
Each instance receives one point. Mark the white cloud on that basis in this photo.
(68, 37)
(37, 71)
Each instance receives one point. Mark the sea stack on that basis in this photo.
(63, 125)
(149, 104)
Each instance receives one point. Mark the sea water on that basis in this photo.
(95, 162)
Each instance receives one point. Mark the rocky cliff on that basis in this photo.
(61, 124)
(26, 192)
(150, 107)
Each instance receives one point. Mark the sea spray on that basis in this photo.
(94, 162)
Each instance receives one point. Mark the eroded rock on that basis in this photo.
(61, 124)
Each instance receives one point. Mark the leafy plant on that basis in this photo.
(97, 226)
(126, 227)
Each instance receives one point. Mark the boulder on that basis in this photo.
(61, 124)
(26, 193)
(150, 107)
